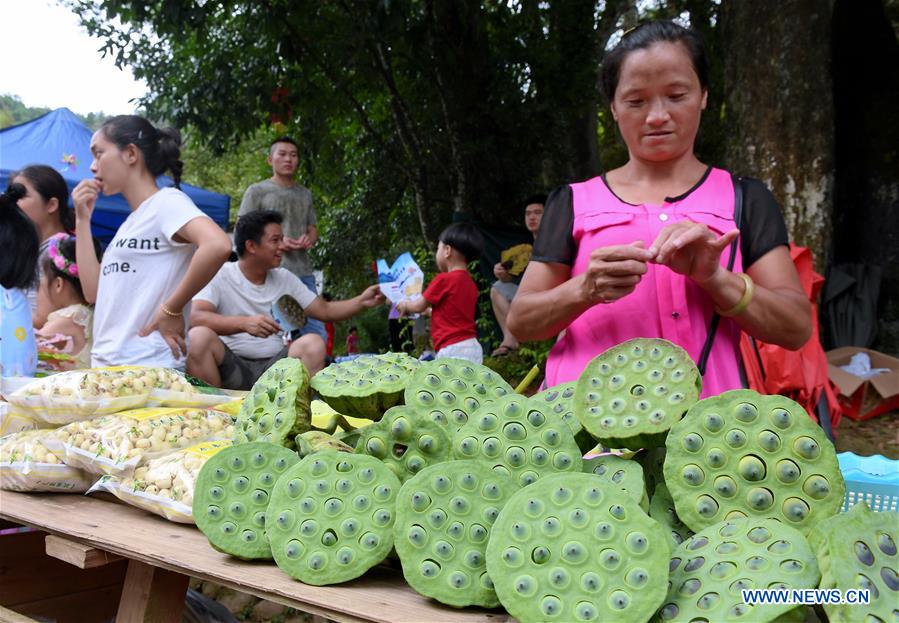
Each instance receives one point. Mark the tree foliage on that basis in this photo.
(407, 109)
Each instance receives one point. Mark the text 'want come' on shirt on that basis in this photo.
(141, 268)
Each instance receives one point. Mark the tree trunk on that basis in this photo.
(779, 107)
(866, 97)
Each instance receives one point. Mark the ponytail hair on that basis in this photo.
(161, 147)
(49, 184)
(19, 241)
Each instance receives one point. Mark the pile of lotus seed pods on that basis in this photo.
(487, 500)
(365, 386)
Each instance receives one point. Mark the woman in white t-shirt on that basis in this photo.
(163, 254)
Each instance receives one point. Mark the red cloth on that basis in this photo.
(352, 344)
(800, 375)
(329, 347)
(453, 297)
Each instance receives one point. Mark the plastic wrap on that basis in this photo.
(117, 444)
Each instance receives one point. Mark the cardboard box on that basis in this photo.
(860, 398)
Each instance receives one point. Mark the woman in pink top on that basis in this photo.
(642, 250)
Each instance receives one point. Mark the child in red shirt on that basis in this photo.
(352, 342)
(453, 295)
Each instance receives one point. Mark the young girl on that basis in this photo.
(453, 295)
(163, 254)
(46, 203)
(61, 301)
(18, 265)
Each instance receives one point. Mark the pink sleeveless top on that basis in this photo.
(664, 303)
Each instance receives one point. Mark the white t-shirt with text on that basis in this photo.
(141, 268)
(235, 295)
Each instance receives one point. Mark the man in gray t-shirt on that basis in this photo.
(282, 194)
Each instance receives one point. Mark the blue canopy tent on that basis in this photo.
(59, 139)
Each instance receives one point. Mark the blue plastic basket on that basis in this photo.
(870, 479)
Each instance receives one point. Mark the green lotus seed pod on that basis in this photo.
(570, 548)
(855, 550)
(331, 517)
(232, 493)
(366, 386)
(449, 391)
(277, 408)
(314, 441)
(652, 460)
(560, 399)
(405, 441)
(760, 456)
(351, 437)
(709, 570)
(506, 434)
(661, 508)
(447, 561)
(630, 395)
(622, 473)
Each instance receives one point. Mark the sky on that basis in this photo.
(50, 61)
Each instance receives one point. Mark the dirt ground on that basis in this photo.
(879, 435)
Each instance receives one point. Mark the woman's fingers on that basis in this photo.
(622, 252)
(680, 236)
(726, 239)
(623, 267)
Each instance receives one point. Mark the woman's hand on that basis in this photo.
(172, 330)
(691, 249)
(614, 272)
(84, 197)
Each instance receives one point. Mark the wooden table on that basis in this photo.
(162, 556)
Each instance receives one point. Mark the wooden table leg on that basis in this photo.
(151, 595)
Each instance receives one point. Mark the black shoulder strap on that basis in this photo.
(713, 326)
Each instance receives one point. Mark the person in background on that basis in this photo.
(400, 331)
(234, 337)
(329, 331)
(642, 251)
(282, 193)
(46, 203)
(163, 254)
(60, 299)
(18, 268)
(352, 341)
(508, 270)
(452, 296)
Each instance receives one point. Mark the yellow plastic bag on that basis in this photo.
(165, 485)
(117, 444)
(26, 464)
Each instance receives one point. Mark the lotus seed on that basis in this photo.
(886, 544)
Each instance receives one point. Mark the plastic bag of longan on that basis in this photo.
(26, 464)
(80, 394)
(164, 485)
(117, 444)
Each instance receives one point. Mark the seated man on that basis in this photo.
(509, 269)
(233, 337)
